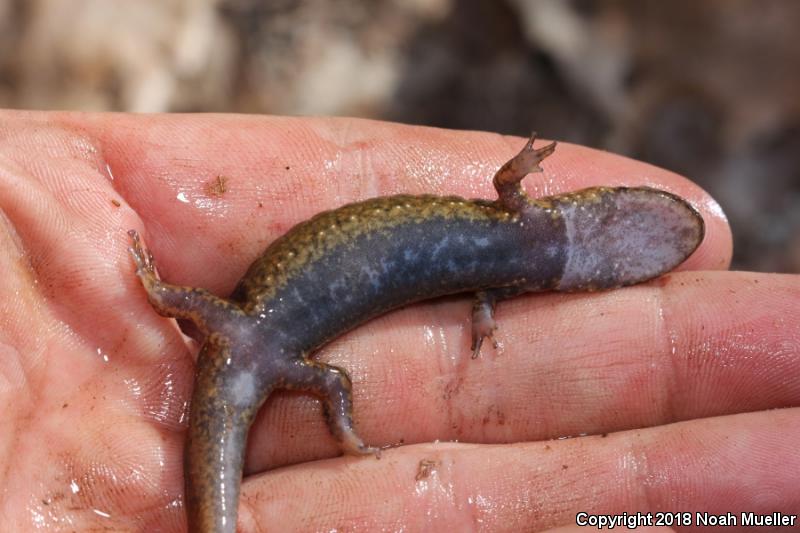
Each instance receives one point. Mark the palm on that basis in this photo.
(96, 385)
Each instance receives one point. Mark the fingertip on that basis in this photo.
(716, 250)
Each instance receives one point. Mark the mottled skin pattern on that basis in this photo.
(343, 267)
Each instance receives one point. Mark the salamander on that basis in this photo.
(337, 270)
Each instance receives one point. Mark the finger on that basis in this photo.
(718, 465)
(694, 345)
(218, 189)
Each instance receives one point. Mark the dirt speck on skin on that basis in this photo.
(217, 186)
(425, 468)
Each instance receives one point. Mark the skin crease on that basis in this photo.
(685, 373)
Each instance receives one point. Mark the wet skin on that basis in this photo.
(343, 267)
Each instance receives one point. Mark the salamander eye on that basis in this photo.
(626, 236)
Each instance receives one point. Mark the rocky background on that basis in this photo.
(706, 88)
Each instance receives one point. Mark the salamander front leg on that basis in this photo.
(334, 388)
(483, 324)
(508, 178)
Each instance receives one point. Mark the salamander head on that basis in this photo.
(622, 236)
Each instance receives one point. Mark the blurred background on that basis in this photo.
(707, 88)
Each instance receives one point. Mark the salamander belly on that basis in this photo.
(377, 271)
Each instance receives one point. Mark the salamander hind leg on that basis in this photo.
(333, 386)
(209, 312)
(145, 265)
(508, 179)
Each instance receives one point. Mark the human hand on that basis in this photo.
(96, 385)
